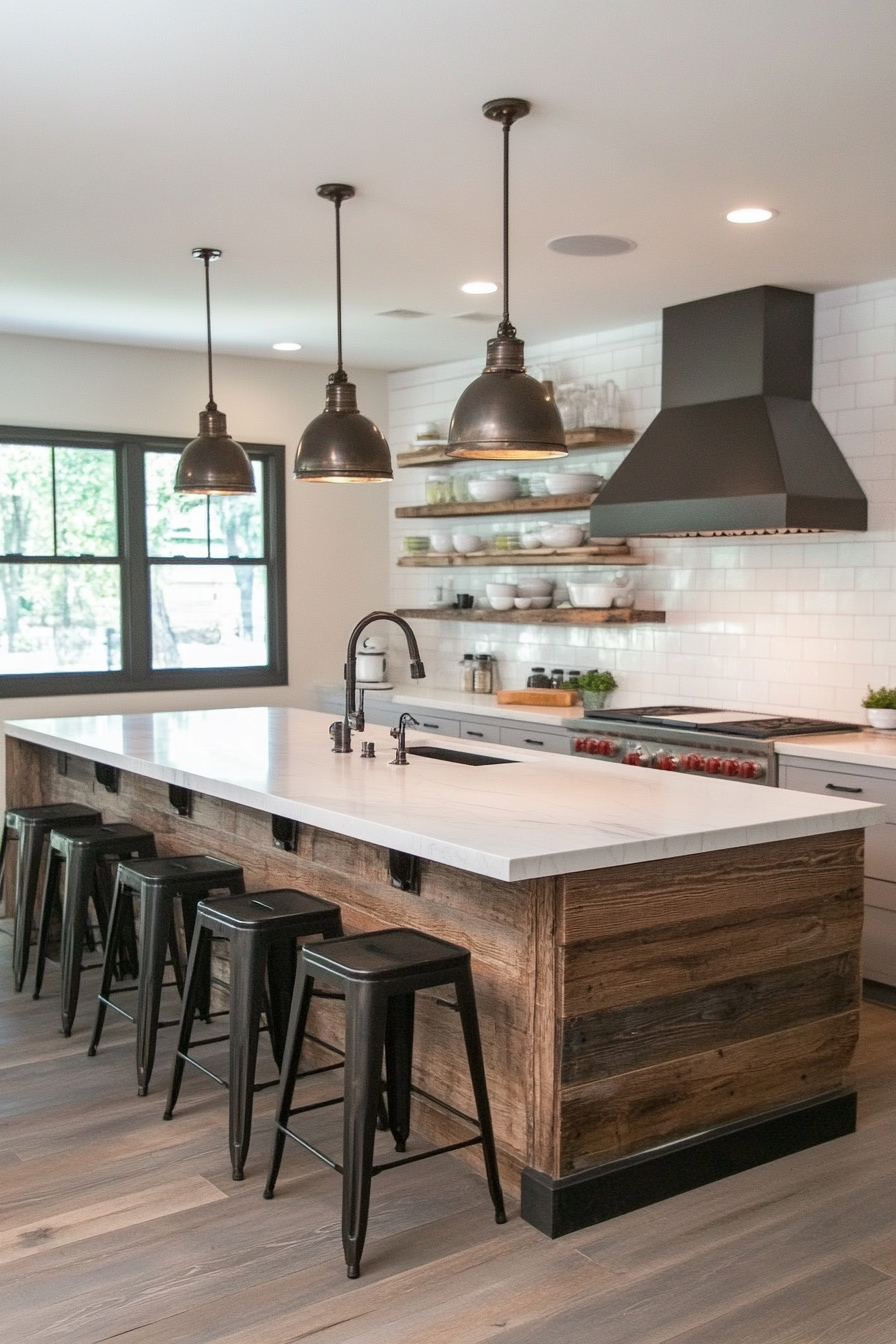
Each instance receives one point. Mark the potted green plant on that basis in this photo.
(594, 687)
(880, 706)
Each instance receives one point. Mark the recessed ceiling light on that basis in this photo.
(286, 345)
(479, 287)
(751, 214)
(591, 245)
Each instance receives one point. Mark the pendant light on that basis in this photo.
(213, 463)
(505, 414)
(341, 444)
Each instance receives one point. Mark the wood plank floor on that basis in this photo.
(115, 1225)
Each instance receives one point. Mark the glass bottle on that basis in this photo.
(537, 680)
(482, 674)
(466, 673)
(557, 678)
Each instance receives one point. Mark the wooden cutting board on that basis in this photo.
(537, 697)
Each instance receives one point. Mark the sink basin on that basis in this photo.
(459, 757)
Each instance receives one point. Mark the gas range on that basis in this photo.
(688, 739)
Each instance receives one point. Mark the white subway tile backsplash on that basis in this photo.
(793, 624)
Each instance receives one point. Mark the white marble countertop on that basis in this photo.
(458, 702)
(536, 816)
(865, 747)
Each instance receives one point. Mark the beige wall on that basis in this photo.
(337, 536)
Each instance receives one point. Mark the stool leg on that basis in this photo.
(365, 1035)
(466, 1002)
(155, 918)
(247, 974)
(31, 840)
(399, 1052)
(49, 903)
(122, 912)
(76, 892)
(292, 1053)
(282, 960)
(187, 1014)
(204, 968)
(4, 844)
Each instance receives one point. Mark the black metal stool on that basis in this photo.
(31, 826)
(188, 878)
(380, 974)
(262, 928)
(86, 853)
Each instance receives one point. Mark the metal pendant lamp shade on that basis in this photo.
(341, 445)
(505, 414)
(213, 463)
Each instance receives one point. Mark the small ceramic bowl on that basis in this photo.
(531, 540)
(522, 603)
(501, 589)
(562, 535)
(535, 587)
(465, 542)
(573, 482)
(441, 542)
(502, 603)
(491, 490)
(882, 718)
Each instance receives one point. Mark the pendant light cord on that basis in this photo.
(506, 328)
(340, 372)
(208, 330)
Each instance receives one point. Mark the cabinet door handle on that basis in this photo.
(470, 733)
(843, 788)
(533, 741)
(430, 725)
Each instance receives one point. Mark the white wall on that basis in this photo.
(795, 624)
(336, 544)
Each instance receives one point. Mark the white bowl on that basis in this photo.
(492, 491)
(535, 587)
(531, 540)
(562, 534)
(539, 603)
(573, 482)
(466, 542)
(593, 594)
(882, 718)
(502, 603)
(441, 542)
(501, 589)
(522, 603)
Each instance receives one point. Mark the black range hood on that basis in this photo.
(737, 445)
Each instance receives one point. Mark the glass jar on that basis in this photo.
(557, 678)
(482, 674)
(537, 680)
(467, 670)
(438, 490)
(460, 488)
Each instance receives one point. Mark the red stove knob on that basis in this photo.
(578, 744)
(606, 747)
(637, 756)
(731, 768)
(752, 769)
(593, 746)
(665, 761)
(693, 762)
(713, 765)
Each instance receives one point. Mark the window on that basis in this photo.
(111, 581)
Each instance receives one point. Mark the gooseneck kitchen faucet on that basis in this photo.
(341, 733)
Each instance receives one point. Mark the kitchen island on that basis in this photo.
(667, 969)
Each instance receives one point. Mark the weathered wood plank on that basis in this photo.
(683, 958)
(637, 1035)
(754, 877)
(633, 1111)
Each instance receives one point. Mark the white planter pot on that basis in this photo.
(882, 718)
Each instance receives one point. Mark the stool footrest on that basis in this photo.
(430, 1152)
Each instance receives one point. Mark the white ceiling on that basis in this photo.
(133, 130)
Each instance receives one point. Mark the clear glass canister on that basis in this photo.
(438, 490)
(482, 675)
(467, 670)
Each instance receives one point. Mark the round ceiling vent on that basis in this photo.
(591, 245)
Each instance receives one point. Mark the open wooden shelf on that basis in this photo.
(573, 555)
(549, 616)
(523, 504)
(434, 455)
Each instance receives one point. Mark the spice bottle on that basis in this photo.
(537, 680)
(467, 668)
(557, 678)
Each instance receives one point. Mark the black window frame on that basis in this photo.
(137, 673)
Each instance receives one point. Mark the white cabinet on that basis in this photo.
(537, 739)
(867, 785)
(477, 730)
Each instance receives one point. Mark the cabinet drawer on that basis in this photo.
(838, 784)
(479, 732)
(535, 740)
(879, 945)
(880, 894)
(437, 723)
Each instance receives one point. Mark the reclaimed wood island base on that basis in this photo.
(647, 1026)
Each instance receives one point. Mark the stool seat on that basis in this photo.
(159, 883)
(85, 851)
(282, 912)
(31, 826)
(380, 974)
(262, 927)
(387, 954)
